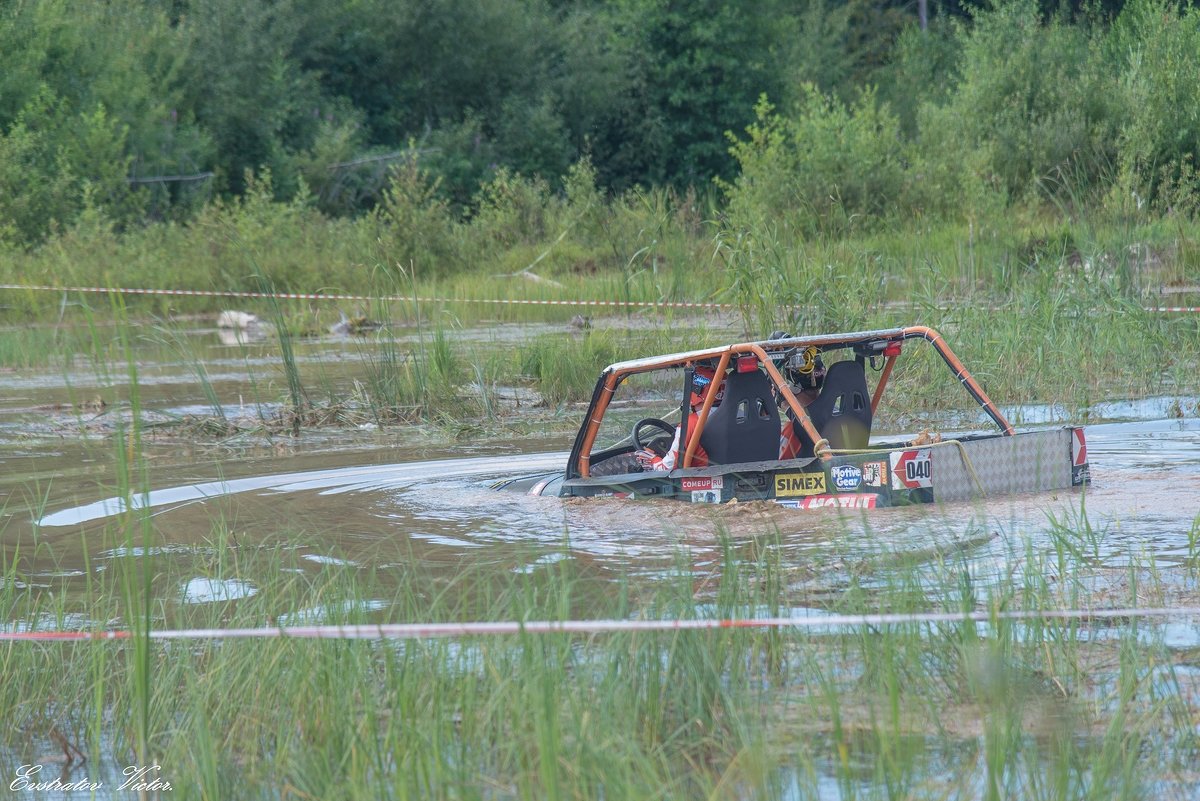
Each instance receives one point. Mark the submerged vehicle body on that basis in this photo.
(837, 465)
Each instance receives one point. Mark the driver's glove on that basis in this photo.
(645, 458)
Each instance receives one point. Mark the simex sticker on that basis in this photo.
(912, 469)
(874, 474)
(846, 477)
(863, 501)
(789, 485)
(706, 496)
(702, 483)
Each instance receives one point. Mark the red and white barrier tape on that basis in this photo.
(211, 293)
(630, 304)
(412, 631)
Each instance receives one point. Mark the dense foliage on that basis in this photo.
(815, 115)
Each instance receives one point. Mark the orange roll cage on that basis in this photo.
(869, 342)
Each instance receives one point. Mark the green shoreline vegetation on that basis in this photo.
(1020, 176)
(1017, 176)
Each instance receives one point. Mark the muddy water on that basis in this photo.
(362, 499)
(367, 497)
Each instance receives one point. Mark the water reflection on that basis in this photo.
(241, 336)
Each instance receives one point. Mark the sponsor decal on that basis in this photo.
(846, 477)
(912, 469)
(706, 496)
(874, 474)
(1078, 448)
(753, 484)
(703, 483)
(865, 500)
(789, 485)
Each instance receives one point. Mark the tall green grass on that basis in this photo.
(1042, 709)
(1044, 303)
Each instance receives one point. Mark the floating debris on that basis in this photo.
(238, 319)
(354, 325)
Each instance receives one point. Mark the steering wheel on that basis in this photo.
(657, 443)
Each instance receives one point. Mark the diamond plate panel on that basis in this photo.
(1032, 461)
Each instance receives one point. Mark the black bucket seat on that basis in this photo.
(842, 412)
(745, 427)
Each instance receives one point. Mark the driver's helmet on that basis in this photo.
(805, 369)
(702, 377)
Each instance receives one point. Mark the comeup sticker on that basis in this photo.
(791, 485)
(691, 484)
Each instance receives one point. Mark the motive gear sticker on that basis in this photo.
(846, 477)
(912, 469)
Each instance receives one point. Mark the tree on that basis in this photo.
(703, 65)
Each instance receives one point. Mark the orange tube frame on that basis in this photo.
(709, 396)
(960, 372)
(589, 438)
(881, 384)
(747, 348)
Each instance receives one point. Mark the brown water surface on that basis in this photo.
(368, 497)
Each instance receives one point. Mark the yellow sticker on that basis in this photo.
(789, 485)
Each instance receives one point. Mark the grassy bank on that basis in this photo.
(526, 241)
(1043, 303)
(1056, 339)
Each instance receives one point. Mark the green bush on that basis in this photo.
(950, 179)
(419, 228)
(924, 70)
(512, 209)
(1037, 98)
(37, 190)
(825, 169)
(1159, 50)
